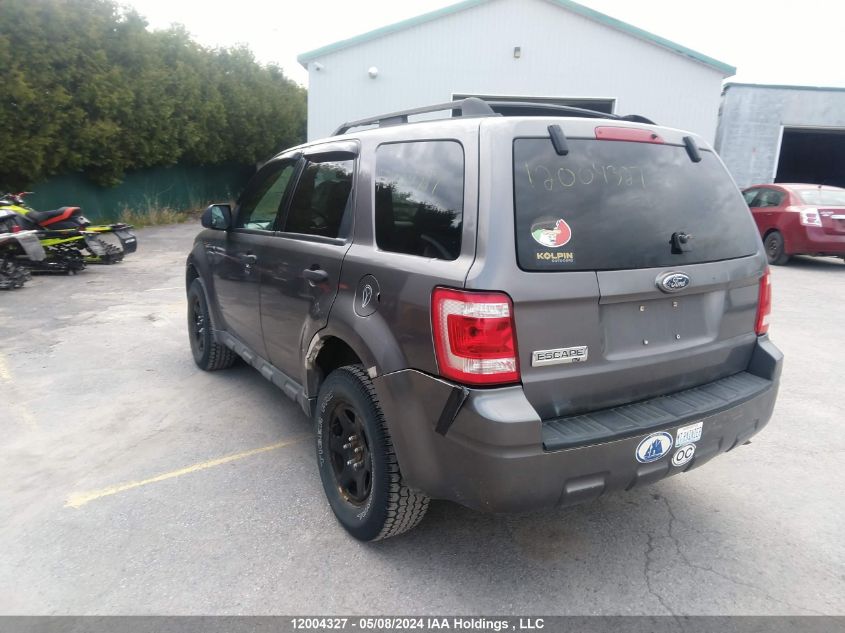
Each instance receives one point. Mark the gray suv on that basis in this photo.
(514, 307)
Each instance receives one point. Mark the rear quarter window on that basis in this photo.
(611, 205)
(419, 194)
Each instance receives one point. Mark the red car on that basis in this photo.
(796, 219)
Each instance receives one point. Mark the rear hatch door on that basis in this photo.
(611, 305)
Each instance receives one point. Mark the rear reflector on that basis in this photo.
(633, 134)
(764, 304)
(474, 338)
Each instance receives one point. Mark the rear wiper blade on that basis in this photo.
(692, 149)
(558, 140)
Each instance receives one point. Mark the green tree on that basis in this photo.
(84, 86)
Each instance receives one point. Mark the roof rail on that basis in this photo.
(470, 107)
(564, 109)
(551, 108)
(475, 107)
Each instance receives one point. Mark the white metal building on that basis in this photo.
(553, 49)
(770, 133)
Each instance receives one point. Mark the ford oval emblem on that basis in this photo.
(673, 282)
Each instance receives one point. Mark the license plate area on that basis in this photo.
(636, 328)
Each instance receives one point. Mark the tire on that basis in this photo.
(209, 355)
(775, 249)
(371, 502)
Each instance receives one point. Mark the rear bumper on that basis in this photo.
(491, 457)
(814, 241)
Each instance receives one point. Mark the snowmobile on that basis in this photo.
(18, 252)
(64, 249)
(71, 218)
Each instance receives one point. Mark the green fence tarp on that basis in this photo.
(179, 187)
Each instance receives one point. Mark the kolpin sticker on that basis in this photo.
(552, 233)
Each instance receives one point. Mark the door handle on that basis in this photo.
(248, 259)
(315, 275)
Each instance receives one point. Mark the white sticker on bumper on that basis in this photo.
(683, 455)
(688, 434)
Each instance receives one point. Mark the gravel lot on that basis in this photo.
(115, 496)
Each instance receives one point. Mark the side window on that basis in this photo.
(320, 199)
(261, 202)
(769, 198)
(749, 197)
(419, 198)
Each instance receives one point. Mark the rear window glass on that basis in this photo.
(823, 197)
(419, 198)
(614, 204)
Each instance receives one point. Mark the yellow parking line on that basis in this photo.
(22, 409)
(5, 374)
(80, 499)
(28, 417)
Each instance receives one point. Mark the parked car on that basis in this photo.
(508, 312)
(796, 219)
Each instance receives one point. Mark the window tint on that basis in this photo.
(320, 199)
(419, 198)
(768, 198)
(615, 205)
(263, 196)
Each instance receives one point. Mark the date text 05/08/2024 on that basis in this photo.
(417, 624)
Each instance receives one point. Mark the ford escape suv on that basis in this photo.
(508, 312)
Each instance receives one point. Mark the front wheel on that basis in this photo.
(775, 249)
(357, 463)
(209, 355)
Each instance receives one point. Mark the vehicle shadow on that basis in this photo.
(649, 549)
(821, 264)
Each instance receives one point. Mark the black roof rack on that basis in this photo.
(475, 107)
(471, 106)
(532, 107)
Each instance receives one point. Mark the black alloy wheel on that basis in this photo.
(352, 463)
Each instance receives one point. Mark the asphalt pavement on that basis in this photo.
(133, 483)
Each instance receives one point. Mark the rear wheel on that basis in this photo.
(357, 463)
(209, 355)
(775, 249)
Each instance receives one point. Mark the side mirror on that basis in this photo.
(218, 217)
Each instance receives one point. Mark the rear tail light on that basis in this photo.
(764, 304)
(474, 336)
(810, 217)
